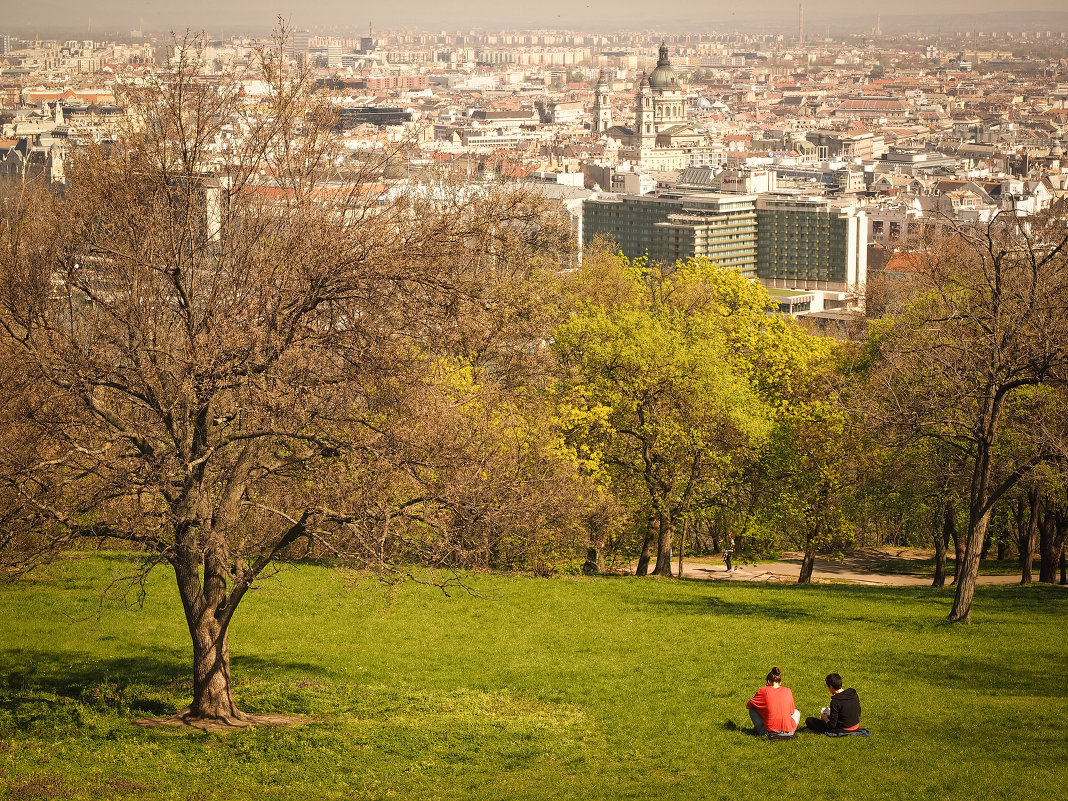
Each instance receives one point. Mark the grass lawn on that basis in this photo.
(571, 688)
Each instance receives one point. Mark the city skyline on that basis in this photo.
(772, 15)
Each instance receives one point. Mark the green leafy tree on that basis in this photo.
(803, 483)
(810, 490)
(664, 410)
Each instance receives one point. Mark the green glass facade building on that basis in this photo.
(790, 242)
(678, 225)
(811, 243)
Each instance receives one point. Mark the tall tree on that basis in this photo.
(971, 356)
(804, 484)
(807, 484)
(660, 401)
(218, 332)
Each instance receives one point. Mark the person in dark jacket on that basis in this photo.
(844, 712)
(728, 552)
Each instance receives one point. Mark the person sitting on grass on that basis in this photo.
(772, 708)
(844, 711)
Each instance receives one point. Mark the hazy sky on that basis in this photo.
(163, 15)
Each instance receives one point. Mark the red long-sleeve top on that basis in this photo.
(776, 708)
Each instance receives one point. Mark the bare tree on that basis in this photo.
(974, 360)
(221, 340)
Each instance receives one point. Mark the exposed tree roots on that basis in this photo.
(224, 723)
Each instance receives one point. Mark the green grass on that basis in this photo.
(575, 688)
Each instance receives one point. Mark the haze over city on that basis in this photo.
(769, 15)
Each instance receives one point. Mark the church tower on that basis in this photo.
(644, 129)
(602, 106)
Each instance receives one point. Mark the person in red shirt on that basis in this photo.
(772, 708)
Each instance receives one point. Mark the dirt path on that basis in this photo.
(855, 568)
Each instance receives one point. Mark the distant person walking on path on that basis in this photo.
(772, 709)
(727, 553)
(844, 711)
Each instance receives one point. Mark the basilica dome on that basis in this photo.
(664, 77)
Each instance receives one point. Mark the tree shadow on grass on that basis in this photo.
(28, 672)
(991, 601)
(1039, 675)
(799, 601)
(724, 607)
(67, 673)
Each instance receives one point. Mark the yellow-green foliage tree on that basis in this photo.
(663, 412)
(802, 483)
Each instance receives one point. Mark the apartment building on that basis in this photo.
(812, 243)
(678, 225)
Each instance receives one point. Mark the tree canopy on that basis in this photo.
(664, 407)
(977, 360)
(228, 354)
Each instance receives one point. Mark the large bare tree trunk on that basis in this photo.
(208, 617)
(807, 564)
(682, 544)
(665, 540)
(940, 562)
(594, 560)
(969, 572)
(213, 699)
(595, 553)
(1053, 528)
(978, 521)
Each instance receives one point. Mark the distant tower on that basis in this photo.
(602, 105)
(878, 24)
(643, 116)
(801, 23)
